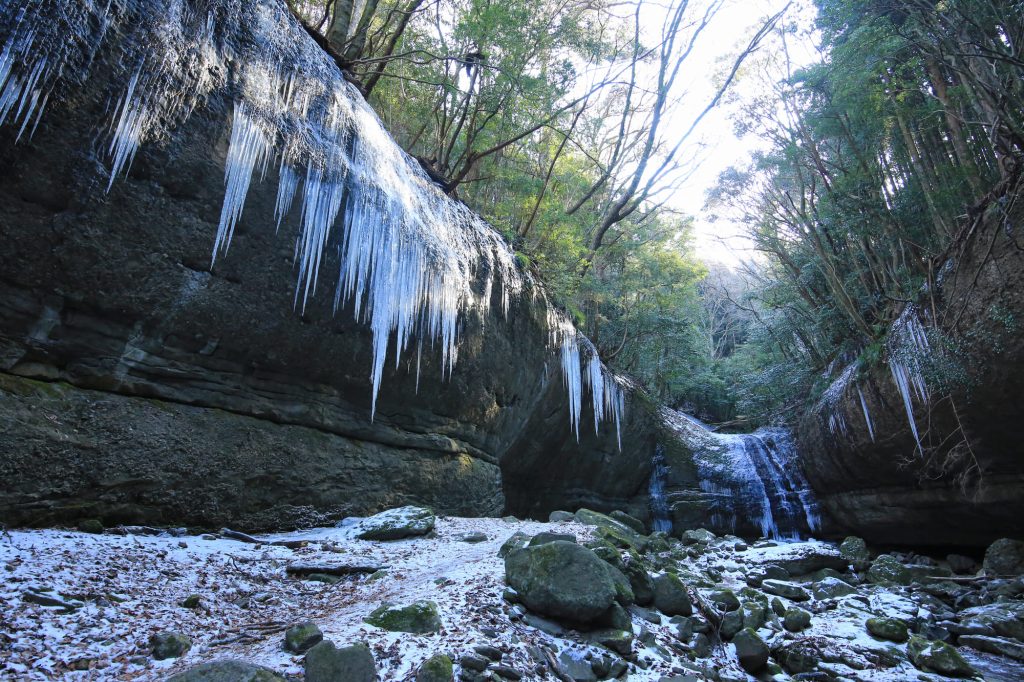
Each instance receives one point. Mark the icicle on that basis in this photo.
(127, 135)
(867, 416)
(247, 148)
(899, 374)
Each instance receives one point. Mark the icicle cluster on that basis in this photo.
(606, 390)
(908, 344)
(411, 260)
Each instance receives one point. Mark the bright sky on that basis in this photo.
(731, 30)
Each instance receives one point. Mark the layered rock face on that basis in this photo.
(140, 384)
(962, 485)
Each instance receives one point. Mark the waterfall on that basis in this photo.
(750, 483)
(656, 490)
(413, 262)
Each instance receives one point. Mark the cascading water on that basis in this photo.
(660, 517)
(413, 262)
(751, 482)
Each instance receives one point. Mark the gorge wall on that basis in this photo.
(958, 480)
(140, 384)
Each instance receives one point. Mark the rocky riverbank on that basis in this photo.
(405, 596)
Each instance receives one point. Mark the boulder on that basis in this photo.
(396, 524)
(732, 623)
(517, 540)
(958, 563)
(786, 590)
(751, 650)
(855, 550)
(627, 520)
(832, 588)
(420, 617)
(671, 597)
(619, 641)
(560, 516)
(563, 580)
(639, 579)
(725, 599)
(937, 657)
(1005, 618)
(302, 637)
(437, 668)
(887, 570)
(697, 536)
(796, 619)
(1005, 557)
(547, 536)
(169, 645)
(575, 664)
(226, 671)
(888, 628)
(994, 645)
(326, 663)
(94, 526)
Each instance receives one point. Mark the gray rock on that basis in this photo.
(995, 645)
(327, 663)
(474, 662)
(560, 516)
(701, 645)
(517, 540)
(575, 665)
(787, 590)
(639, 579)
(94, 526)
(619, 641)
(698, 536)
(547, 536)
(961, 564)
(732, 623)
(562, 580)
(1005, 618)
(832, 588)
(778, 607)
(1005, 557)
(751, 650)
(544, 625)
(671, 597)
(617, 618)
(169, 645)
(226, 671)
(420, 617)
(302, 637)
(724, 599)
(437, 668)
(488, 651)
(473, 538)
(506, 672)
(396, 524)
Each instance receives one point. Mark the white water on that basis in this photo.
(752, 480)
(411, 262)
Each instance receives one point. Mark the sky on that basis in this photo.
(732, 28)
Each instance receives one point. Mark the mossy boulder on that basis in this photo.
(700, 536)
(855, 550)
(751, 651)
(635, 570)
(436, 669)
(169, 645)
(302, 637)
(1005, 557)
(94, 526)
(888, 628)
(563, 580)
(547, 536)
(517, 540)
(796, 619)
(671, 597)
(420, 617)
(785, 589)
(396, 524)
(887, 570)
(627, 520)
(938, 657)
(327, 663)
(226, 671)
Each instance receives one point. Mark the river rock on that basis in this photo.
(327, 663)
(1005, 557)
(1004, 618)
(994, 645)
(937, 657)
(887, 570)
(832, 588)
(855, 550)
(888, 628)
(396, 524)
(226, 671)
(563, 580)
(787, 590)
(420, 617)
(437, 668)
(671, 597)
(796, 619)
(169, 645)
(560, 516)
(751, 650)
(299, 638)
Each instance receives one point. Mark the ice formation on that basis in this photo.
(412, 262)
